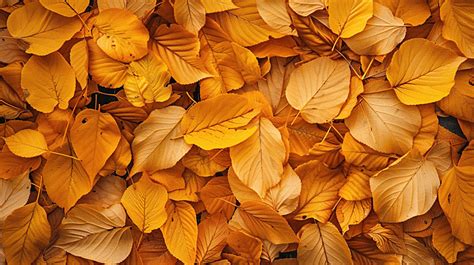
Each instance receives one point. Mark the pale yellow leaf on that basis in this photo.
(357, 186)
(96, 233)
(156, 144)
(407, 188)
(422, 72)
(274, 13)
(381, 35)
(318, 89)
(14, 193)
(284, 196)
(258, 161)
(383, 123)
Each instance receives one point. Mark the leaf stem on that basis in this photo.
(64, 155)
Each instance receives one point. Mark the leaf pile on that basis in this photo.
(236, 132)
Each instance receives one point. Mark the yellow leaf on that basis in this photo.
(352, 212)
(218, 197)
(79, 58)
(230, 64)
(319, 191)
(364, 251)
(303, 136)
(322, 244)
(460, 101)
(146, 81)
(247, 247)
(429, 128)
(274, 84)
(50, 82)
(94, 137)
(274, 13)
(458, 24)
(418, 253)
(361, 155)
(121, 35)
(422, 72)
(349, 17)
(214, 6)
(456, 197)
(191, 14)
(284, 196)
(202, 163)
(12, 166)
(219, 122)
(181, 232)
(260, 220)
(27, 143)
(43, 30)
(316, 35)
(179, 50)
(65, 179)
(258, 161)
(413, 12)
(14, 193)
(318, 89)
(383, 123)
(66, 8)
(252, 29)
(156, 145)
(106, 192)
(104, 70)
(145, 204)
(407, 188)
(193, 186)
(357, 187)
(26, 232)
(356, 88)
(381, 35)
(386, 239)
(140, 8)
(96, 233)
(444, 241)
(306, 7)
(212, 237)
(118, 162)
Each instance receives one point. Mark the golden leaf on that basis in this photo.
(209, 129)
(26, 232)
(145, 204)
(50, 82)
